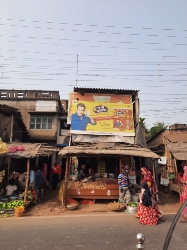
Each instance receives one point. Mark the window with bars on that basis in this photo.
(41, 122)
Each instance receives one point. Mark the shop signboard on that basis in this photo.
(101, 114)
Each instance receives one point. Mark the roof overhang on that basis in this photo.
(114, 150)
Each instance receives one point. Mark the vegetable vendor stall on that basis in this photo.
(104, 186)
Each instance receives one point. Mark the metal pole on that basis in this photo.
(173, 224)
(140, 238)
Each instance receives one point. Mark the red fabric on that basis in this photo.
(153, 190)
(56, 169)
(148, 215)
(155, 207)
(69, 201)
(149, 178)
(33, 192)
(179, 178)
(86, 202)
(17, 148)
(183, 195)
(184, 213)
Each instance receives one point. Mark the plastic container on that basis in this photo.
(74, 177)
(19, 211)
(131, 210)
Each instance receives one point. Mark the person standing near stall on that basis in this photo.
(38, 182)
(56, 171)
(123, 182)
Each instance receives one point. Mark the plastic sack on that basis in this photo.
(60, 193)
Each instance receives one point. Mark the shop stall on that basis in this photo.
(174, 159)
(104, 160)
(19, 161)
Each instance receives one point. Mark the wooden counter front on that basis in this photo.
(93, 193)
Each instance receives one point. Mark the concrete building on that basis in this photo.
(12, 126)
(40, 110)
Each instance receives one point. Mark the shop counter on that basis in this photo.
(93, 193)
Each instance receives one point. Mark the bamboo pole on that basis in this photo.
(116, 166)
(140, 168)
(64, 198)
(153, 168)
(27, 181)
(8, 169)
(11, 128)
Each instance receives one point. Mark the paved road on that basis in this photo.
(89, 232)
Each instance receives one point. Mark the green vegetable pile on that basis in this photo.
(6, 215)
(132, 204)
(11, 204)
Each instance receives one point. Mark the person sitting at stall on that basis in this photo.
(11, 189)
(38, 182)
(180, 176)
(82, 173)
(91, 172)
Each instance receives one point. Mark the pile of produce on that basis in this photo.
(29, 195)
(115, 206)
(132, 204)
(6, 215)
(74, 185)
(75, 204)
(89, 185)
(11, 204)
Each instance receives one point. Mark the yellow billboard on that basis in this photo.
(101, 114)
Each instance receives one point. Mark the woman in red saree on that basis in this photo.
(148, 215)
(183, 195)
(153, 190)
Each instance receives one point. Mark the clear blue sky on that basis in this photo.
(125, 44)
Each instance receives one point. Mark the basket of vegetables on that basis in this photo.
(72, 206)
(115, 206)
(132, 207)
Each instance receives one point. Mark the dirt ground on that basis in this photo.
(51, 206)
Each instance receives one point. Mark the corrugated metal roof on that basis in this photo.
(105, 90)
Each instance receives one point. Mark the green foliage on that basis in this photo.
(142, 122)
(157, 127)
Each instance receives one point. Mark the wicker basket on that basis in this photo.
(115, 206)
